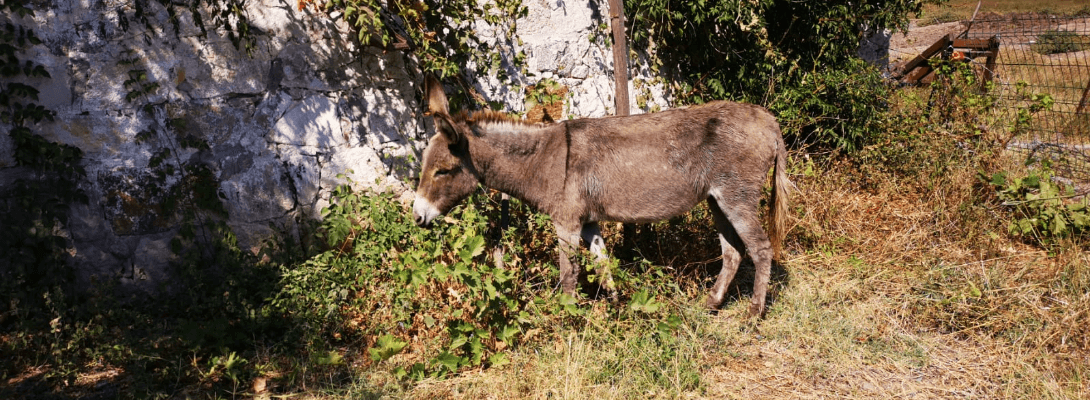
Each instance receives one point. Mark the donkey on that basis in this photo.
(633, 169)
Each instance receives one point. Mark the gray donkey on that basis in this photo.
(638, 169)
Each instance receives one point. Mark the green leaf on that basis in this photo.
(473, 246)
(457, 340)
(1031, 181)
(418, 276)
(498, 360)
(669, 325)
(450, 361)
(568, 303)
(386, 346)
(330, 358)
(644, 302)
(1059, 226)
(507, 333)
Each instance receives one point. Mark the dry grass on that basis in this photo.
(963, 9)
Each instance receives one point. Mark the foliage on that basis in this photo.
(34, 277)
(959, 102)
(429, 303)
(545, 92)
(384, 281)
(794, 57)
(545, 101)
(227, 16)
(1044, 209)
(440, 33)
(841, 108)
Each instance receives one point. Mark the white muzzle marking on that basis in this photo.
(423, 211)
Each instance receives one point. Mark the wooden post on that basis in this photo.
(1082, 101)
(989, 62)
(620, 97)
(620, 57)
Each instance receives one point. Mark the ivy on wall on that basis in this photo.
(442, 35)
(34, 209)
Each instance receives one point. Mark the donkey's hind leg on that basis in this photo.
(592, 235)
(729, 241)
(742, 215)
(568, 244)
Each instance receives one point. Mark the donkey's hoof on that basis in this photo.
(712, 304)
(756, 310)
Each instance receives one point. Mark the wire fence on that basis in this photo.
(1043, 54)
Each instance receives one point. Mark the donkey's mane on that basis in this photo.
(495, 120)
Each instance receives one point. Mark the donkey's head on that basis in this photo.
(447, 176)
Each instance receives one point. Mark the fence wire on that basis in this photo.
(1044, 54)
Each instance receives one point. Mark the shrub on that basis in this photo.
(797, 58)
(1044, 209)
(389, 286)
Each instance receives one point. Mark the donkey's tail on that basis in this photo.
(777, 214)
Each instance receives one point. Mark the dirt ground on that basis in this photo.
(903, 47)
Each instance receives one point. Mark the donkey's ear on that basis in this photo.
(437, 100)
(446, 126)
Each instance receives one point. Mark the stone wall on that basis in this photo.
(281, 119)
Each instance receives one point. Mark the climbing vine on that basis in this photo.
(34, 210)
(441, 34)
(226, 16)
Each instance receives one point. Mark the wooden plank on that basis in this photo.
(918, 74)
(979, 44)
(942, 43)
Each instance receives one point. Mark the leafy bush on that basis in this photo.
(438, 33)
(429, 303)
(384, 282)
(840, 108)
(798, 58)
(1044, 210)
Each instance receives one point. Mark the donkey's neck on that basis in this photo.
(525, 161)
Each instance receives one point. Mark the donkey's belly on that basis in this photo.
(642, 203)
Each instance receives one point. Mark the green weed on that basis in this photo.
(1044, 210)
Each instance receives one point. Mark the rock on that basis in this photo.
(580, 72)
(150, 269)
(270, 125)
(312, 124)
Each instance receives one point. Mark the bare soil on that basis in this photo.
(903, 47)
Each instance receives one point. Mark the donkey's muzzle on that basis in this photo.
(423, 211)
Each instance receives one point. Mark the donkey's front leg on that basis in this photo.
(568, 244)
